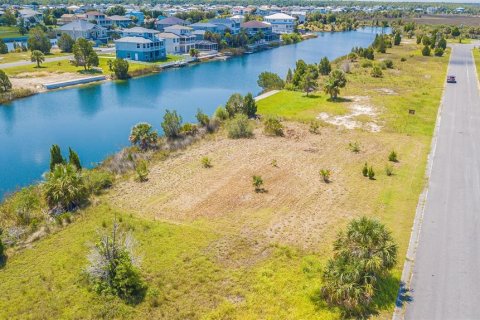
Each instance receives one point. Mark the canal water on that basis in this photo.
(96, 120)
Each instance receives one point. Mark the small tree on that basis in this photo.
(55, 156)
(5, 84)
(38, 40)
(239, 127)
(270, 81)
(308, 82)
(426, 51)
(388, 170)
(3, 47)
(371, 173)
(2, 251)
(324, 66)
(438, 52)
(221, 113)
(73, 159)
(325, 173)
(314, 126)
(65, 42)
(365, 170)
(392, 156)
(141, 168)
(120, 67)
(335, 81)
(194, 53)
(273, 127)
(376, 72)
(289, 76)
(397, 39)
(234, 104)
(172, 122)
(37, 57)
(64, 187)
(257, 183)
(249, 106)
(202, 118)
(84, 54)
(143, 136)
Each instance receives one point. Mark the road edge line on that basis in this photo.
(407, 272)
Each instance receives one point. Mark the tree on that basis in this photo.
(308, 83)
(289, 77)
(202, 118)
(239, 127)
(65, 42)
(376, 72)
(455, 32)
(426, 51)
(38, 57)
(143, 136)
(8, 18)
(84, 54)
(438, 52)
(74, 159)
(442, 43)
(324, 66)
(194, 53)
(300, 69)
(270, 81)
(335, 81)
(397, 39)
(257, 182)
(64, 187)
(5, 84)
(171, 124)
(120, 67)
(3, 47)
(362, 255)
(113, 267)
(249, 107)
(117, 10)
(234, 104)
(38, 40)
(55, 156)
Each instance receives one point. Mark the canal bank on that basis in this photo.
(95, 120)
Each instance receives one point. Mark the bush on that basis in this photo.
(371, 173)
(354, 147)
(376, 72)
(120, 68)
(388, 63)
(221, 113)
(326, 173)
(314, 126)
(270, 81)
(2, 251)
(257, 183)
(206, 162)
(403, 59)
(273, 126)
(365, 170)
(426, 51)
(22, 208)
(143, 136)
(438, 52)
(141, 168)
(202, 118)
(171, 124)
(389, 170)
(324, 66)
(97, 180)
(65, 188)
(392, 156)
(5, 84)
(239, 127)
(189, 129)
(65, 42)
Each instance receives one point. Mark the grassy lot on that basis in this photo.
(9, 32)
(476, 56)
(212, 248)
(25, 56)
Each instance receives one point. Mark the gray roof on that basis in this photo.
(140, 30)
(168, 35)
(203, 24)
(79, 25)
(134, 40)
(170, 21)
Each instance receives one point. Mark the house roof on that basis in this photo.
(119, 18)
(79, 25)
(282, 16)
(168, 35)
(255, 24)
(203, 24)
(134, 40)
(140, 30)
(94, 13)
(170, 21)
(178, 27)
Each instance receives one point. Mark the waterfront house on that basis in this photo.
(172, 42)
(83, 29)
(301, 16)
(140, 49)
(227, 23)
(98, 18)
(281, 23)
(187, 39)
(253, 27)
(205, 26)
(120, 21)
(169, 22)
(204, 45)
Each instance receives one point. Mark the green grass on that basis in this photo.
(25, 56)
(170, 58)
(476, 56)
(9, 32)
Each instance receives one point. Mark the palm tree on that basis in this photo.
(143, 135)
(64, 187)
(38, 57)
(335, 81)
(194, 53)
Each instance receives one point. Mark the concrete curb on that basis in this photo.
(407, 273)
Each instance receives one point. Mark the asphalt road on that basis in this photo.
(446, 274)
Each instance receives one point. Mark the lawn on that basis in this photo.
(9, 32)
(476, 56)
(213, 248)
(25, 56)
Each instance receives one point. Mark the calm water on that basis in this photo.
(96, 120)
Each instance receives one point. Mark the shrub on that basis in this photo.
(206, 162)
(202, 118)
(365, 170)
(171, 124)
(74, 159)
(249, 106)
(438, 52)
(65, 42)
(354, 147)
(426, 51)
(274, 163)
(388, 63)
(273, 126)
(389, 170)
(65, 188)
(2, 251)
(376, 72)
(326, 173)
(113, 268)
(314, 126)
(257, 183)
(143, 136)
(234, 104)
(392, 156)
(120, 68)
(362, 256)
(221, 113)
(97, 180)
(270, 81)
(371, 173)
(324, 66)
(141, 168)
(55, 156)
(5, 84)
(189, 129)
(403, 59)
(239, 127)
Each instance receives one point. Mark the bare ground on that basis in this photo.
(35, 80)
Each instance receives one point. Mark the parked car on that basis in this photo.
(451, 79)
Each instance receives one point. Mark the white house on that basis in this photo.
(172, 42)
(281, 22)
(187, 39)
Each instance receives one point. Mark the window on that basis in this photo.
(138, 45)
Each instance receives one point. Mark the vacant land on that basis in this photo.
(449, 19)
(10, 32)
(213, 248)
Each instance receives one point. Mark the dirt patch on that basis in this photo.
(35, 80)
(359, 109)
(387, 91)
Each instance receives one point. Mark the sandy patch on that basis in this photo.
(386, 91)
(359, 107)
(35, 80)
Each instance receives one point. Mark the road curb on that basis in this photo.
(407, 272)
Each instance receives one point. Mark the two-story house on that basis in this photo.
(83, 29)
(98, 18)
(187, 39)
(281, 23)
(140, 44)
(254, 27)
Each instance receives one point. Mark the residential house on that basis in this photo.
(84, 29)
(187, 39)
(139, 16)
(206, 26)
(140, 49)
(172, 42)
(120, 21)
(281, 23)
(253, 27)
(30, 17)
(301, 16)
(238, 18)
(67, 18)
(168, 22)
(204, 45)
(98, 18)
(227, 23)
(140, 32)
